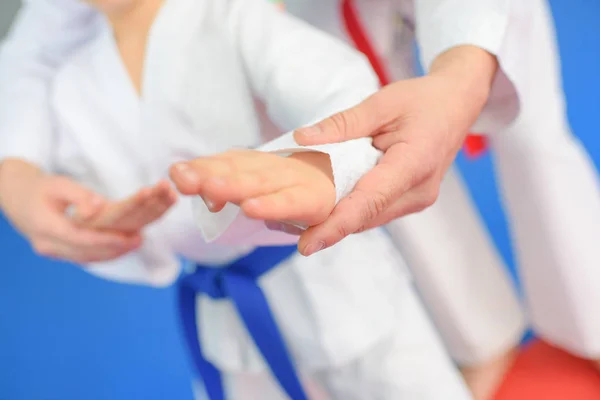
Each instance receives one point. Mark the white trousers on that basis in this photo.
(460, 275)
(412, 364)
(552, 197)
(552, 200)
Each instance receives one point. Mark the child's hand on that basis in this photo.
(298, 188)
(134, 213)
(36, 205)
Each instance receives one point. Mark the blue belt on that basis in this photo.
(238, 282)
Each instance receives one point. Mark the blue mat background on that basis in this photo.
(67, 336)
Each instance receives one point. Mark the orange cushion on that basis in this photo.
(546, 373)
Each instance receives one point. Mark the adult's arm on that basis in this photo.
(473, 52)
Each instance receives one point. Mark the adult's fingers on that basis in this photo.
(363, 120)
(414, 200)
(375, 192)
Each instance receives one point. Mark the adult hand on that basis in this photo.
(420, 124)
(37, 206)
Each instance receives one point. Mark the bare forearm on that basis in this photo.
(16, 178)
(471, 71)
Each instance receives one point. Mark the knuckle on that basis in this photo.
(361, 229)
(430, 165)
(342, 231)
(431, 196)
(342, 122)
(227, 165)
(427, 198)
(375, 204)
(286, 199)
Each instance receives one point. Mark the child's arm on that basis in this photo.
(36, 203)
(298, 189)
(45, 33)
(100, 236)
(302, 75)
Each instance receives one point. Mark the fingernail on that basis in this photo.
(187, 172)
(310, 131)
(209, 203)
(314, 248)
(275, 226)
(284, 227)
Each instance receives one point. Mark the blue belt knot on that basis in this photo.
(238, 283)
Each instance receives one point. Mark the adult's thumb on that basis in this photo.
(353, 123)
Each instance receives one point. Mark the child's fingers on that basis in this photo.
(238, 187)
(212, 205)
(84, 213)
(188, 177)
(114, 214)
(295, 203)
(160, 198)
(126, 210)
(158, 207)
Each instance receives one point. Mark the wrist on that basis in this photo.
(469, 71)
(16, 176)
(316, 159)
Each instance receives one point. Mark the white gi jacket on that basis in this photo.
(335, 305)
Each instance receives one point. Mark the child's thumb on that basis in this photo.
(71, 194)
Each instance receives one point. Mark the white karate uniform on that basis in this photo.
(554, 241)
(349, 314)
(456, 267)
(549, 185)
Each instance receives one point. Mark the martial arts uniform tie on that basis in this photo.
(238, 282)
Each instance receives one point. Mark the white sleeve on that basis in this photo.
(498, 26)
(43, 34)
(302, 75)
